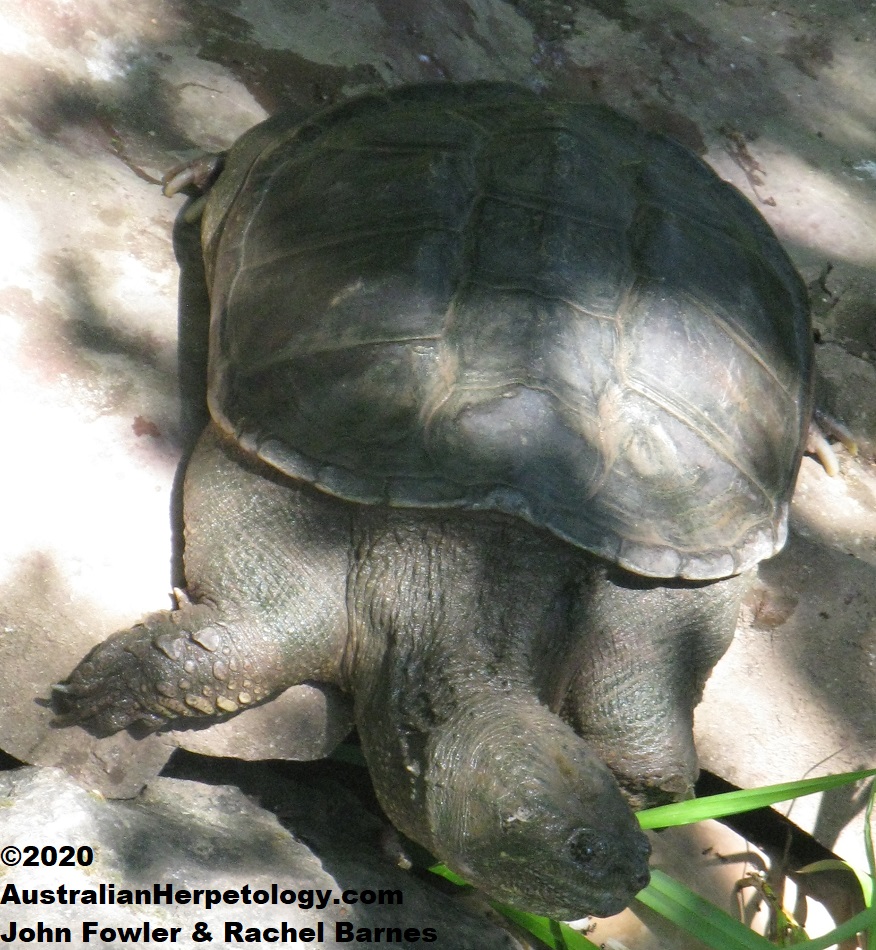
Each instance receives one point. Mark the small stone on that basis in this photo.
(226, 705)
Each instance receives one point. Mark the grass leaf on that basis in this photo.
(554, 933)
(697, 916)
(860, 923)
(732, 803)
(557, 935)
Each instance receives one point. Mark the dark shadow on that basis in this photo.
(766, 828)
(90, 329)
(325, 810)
(839, 806)
(8, 762)
(790, 849)
(193, 323)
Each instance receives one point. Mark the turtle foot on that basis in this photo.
(170, 666)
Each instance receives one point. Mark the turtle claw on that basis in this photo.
(200, 173)
(824, 425)
(111, 690)
(817, 445)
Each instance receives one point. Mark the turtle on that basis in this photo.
(507, 399)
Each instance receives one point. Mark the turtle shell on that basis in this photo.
(469, 296)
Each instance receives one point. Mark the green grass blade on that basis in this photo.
(732, 803)
(553, 933)
(717, 929)
(870, 893)
(697, 916)
(443, 871)
(866, 881)
(860, 923)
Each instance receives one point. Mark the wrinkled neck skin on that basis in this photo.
(457, 622)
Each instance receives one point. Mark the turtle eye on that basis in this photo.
(587, 848)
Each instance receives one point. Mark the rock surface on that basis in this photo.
(183, 836)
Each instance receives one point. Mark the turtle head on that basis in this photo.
(520, 806)
(459, 624)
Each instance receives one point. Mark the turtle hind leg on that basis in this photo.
(266, 563)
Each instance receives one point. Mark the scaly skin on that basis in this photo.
(633, 699)
(454, 631)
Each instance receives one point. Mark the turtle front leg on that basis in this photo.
(266, 563)
(646, 649)
(190, 662)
